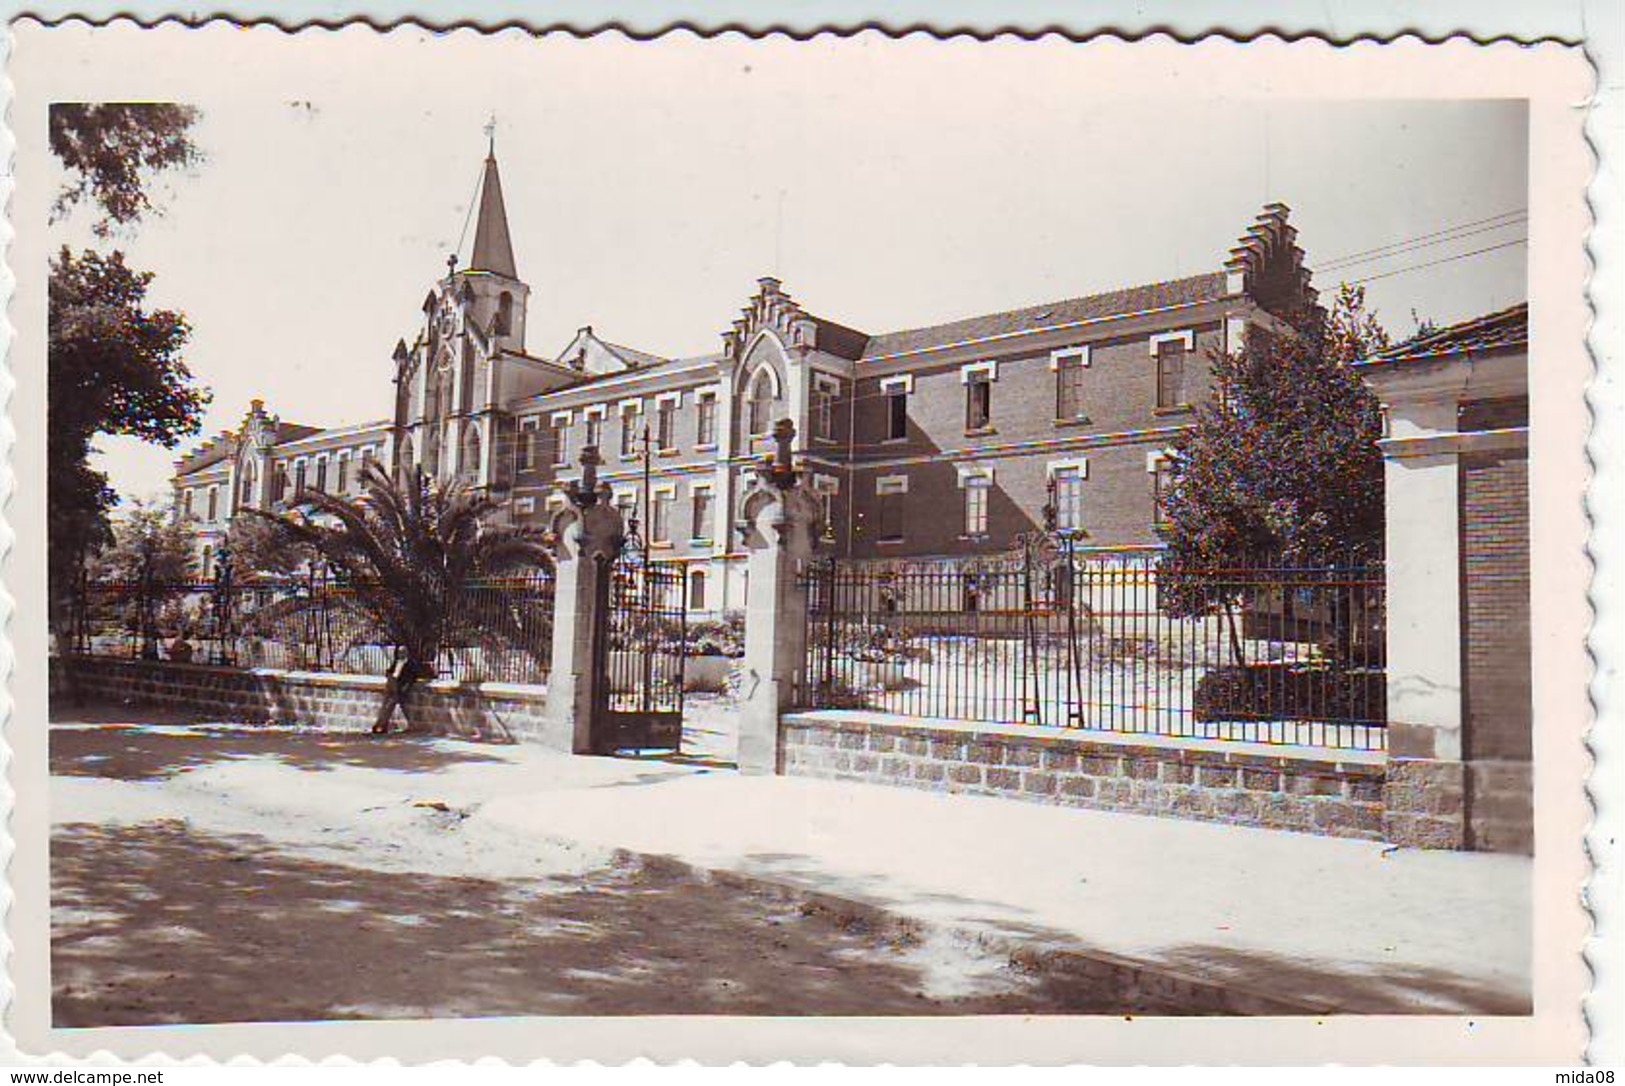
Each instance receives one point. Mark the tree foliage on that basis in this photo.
(114, 367)
(113, 150)
(1282, 465)
(409, 553)
(260, 549)
(149, 545)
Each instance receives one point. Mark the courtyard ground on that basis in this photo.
(220, 873)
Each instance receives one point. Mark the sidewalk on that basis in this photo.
(1322, 922)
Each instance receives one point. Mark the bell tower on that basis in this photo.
(490, 280)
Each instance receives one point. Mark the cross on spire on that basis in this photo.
(491, 134)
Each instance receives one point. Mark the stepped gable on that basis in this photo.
(1267, 265)
(773, 309)
(258, 426)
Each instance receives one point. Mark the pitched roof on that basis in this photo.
(493, 249)
(1506, 328)
(1196, 288)
(632, 356)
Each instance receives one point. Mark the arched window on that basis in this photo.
(405, 456)
(471, 452)
(761, 401)
(696, 590)
(247, 490)
(505, 314)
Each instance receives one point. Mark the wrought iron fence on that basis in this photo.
(1045, 636)
(499, 629)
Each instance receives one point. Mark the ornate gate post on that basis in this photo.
(587, 536)
(778, 521)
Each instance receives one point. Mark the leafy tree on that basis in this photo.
(114, 368)
(409, 552)
(113, 150)
(149, 544)
(1281, 466)
(260, 549)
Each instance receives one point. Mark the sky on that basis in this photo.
(890, 184)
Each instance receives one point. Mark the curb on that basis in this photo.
(1141, 983)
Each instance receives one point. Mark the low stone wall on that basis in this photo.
(1338, 793)
(309, 699)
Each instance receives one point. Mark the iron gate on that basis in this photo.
(638, 652)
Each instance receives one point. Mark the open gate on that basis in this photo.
(638, 652)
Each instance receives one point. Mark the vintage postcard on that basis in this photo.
(857, 548)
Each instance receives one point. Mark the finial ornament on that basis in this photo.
(491, 134)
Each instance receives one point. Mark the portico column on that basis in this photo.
(779, 515)
(587, 535)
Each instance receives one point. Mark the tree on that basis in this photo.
(149, 555)
(113, 150)
(260, 549)
(1282, 465)
(408, 553)
(114, 368)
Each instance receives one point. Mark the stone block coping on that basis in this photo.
(1225, 750)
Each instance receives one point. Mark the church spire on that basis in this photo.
(493, 249)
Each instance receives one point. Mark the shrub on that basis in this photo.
(878, 643)
(1290, 692)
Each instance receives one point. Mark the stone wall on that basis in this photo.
(308, 699)
(1293, 788)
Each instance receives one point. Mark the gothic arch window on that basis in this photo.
(405, 457)
(471, 451)
(759, 401)
(247, 490)
(466, 400)
(505, 314)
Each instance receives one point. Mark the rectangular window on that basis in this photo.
(214, 502)
(321, 474)
(666, 424)
(707, 419)
(595, 430)
(976, 492)
(1161, 483)
(627, 503)
(823, 410)
(629, 430)
(560, 441)
(896, 414)
(1171, 373)
(1069, 370)
(891, 515)
(186, 502)
(298, 479)
(978, 402)
(341, 479)
(702, 513)
(696, 590)
(524, 454)
(660, 516)
(1068, 499)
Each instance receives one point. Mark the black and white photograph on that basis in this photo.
(715, 529)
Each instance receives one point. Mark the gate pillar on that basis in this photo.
(778, 522)
(587, 536)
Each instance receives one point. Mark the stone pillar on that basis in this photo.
(779, 518)
(587, 536)
(1424, 797)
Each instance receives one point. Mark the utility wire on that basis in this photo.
(1441, 260)
(1423, 241)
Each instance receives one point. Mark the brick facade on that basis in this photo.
(473, 404)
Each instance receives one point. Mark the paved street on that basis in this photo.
(211, 873)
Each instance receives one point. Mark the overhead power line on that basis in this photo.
(1441, 260)
(1424, 241)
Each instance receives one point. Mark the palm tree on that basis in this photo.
(409, 551)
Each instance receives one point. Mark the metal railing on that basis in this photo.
(499, 629)
(1269, 653)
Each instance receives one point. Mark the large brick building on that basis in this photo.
(929, 441)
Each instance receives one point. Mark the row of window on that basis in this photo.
(1170, 353)
(1067, 481)
(541, 444)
